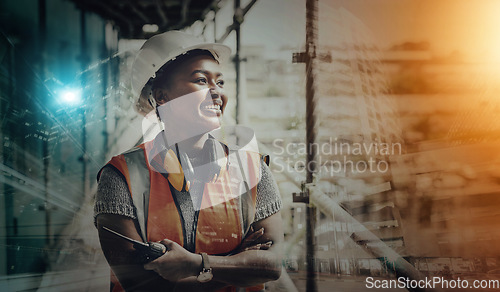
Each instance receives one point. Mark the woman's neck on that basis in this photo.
(189, 145)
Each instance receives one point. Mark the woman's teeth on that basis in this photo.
(212, 107)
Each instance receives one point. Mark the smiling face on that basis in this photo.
(190, 96)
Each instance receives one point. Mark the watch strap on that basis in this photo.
(205, 262)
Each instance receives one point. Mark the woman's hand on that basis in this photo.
(253, 241)
(176, 264)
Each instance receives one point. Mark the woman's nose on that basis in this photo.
(215, 94)
(215, 91)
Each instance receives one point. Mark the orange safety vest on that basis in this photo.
(225, 214)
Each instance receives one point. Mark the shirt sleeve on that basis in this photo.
(113, 195)
(268, 196)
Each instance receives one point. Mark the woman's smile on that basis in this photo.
(212, 107)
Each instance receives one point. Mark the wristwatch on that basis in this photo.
(206, 271)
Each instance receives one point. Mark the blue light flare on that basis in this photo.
(70, 96)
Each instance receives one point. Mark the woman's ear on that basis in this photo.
(160, 96)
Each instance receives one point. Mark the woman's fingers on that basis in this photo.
(266, 245)
(168, 243)
(254, 235)
(253, 247)
(260, 246)
(152, 265)
(175, 264)
(249, 242)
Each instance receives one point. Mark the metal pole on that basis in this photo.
(215, 25)
(42, 34)
(310, 249)
(106, 53)
(311, 136)
(84, 63)
(238, 19)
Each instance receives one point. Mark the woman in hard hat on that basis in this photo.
(214, 206)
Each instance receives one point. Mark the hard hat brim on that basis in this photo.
(221, 54)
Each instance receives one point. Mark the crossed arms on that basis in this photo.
(257, 260)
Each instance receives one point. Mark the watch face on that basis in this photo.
(205, 277)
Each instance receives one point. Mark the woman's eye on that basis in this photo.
(201, 80)
(220, 83)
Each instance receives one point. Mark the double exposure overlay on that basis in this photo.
(407, 166)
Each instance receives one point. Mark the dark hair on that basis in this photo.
(164, 74)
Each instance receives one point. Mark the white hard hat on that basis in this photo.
(164, 47)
